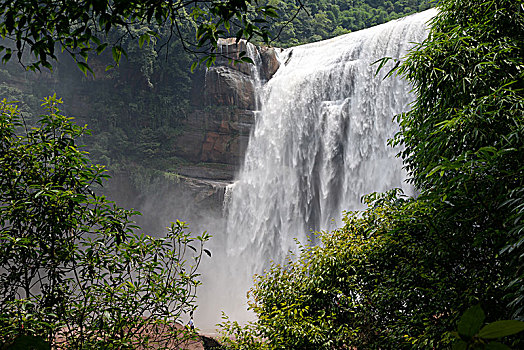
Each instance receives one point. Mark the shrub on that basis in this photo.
(74, 270)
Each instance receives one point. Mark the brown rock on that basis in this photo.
(217, 147)
(209, 145)
(208, 171)
(228, 87)
(224, 126)
(270, 63)
(229, 49)
(188, 145)
(219, 128)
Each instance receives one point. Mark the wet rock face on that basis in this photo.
(270, 62)
(228, 135)
(225, 103)
(267, 60)
(226, 86)
(215, 134)
(229, 96)
(230, 49)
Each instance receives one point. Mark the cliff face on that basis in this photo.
(199, 152)
(212, 143)
(217, 131)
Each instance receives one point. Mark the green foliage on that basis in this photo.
(471, 321)
(29, 342)
(81, 28)
(470, 335)
(300, 22)
(393, 277)
(75, 272)
(463, 136)
(146, 98)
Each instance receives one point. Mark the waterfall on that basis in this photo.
(318, 145)
(320, 141)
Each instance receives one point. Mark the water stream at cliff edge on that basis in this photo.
(318, 145)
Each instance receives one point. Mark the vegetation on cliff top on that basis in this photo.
(322, 19)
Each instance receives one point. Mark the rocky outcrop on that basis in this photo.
(215, 136)
(265, 58)
(229, 51)
(226, 86)
(270, 62)
(163, 197)
(210, 142)
(225, 103)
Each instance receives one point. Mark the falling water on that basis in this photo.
(319, 144)
(320, 141)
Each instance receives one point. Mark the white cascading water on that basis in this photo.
(319, 144)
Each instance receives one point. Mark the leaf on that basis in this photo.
(434, 170)
(501, 329)
(487, 149)
(270, 11)
(101, 48)
(210, 61)
(207, 252)
(47, 65)
(96, 40)
(382, 63)
(142, 39)
(193, 66)
(497, 346)
(461, 345)
(117, 54)
(84, 67)
(238, 36)
(29, 342)
(392, 70)
(6, 57)
(471, 321)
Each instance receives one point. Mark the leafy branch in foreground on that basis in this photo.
(74, 271)
(81, 27)
(471, 334)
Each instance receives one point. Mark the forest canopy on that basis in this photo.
(323, 19)
(81, 27)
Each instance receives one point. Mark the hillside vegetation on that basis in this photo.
(406, 273)
(322, 19)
